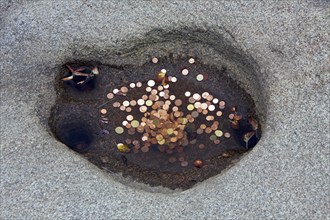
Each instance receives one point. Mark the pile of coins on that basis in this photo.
(165, 120)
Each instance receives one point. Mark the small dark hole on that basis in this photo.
(76, 136)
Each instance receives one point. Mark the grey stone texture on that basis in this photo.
(286, 176)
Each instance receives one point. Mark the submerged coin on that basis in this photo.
(119, 130)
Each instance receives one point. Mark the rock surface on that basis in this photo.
(285, 176)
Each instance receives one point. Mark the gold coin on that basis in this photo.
(148, 103)
(161, 142)
(119, 130)
(213, 137)
(135, 123)
(170, 131)
(190, 107)
(218, 133)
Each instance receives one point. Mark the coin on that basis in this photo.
(124, 89)
(218, 133)
(172, 159)
(227, 135)
(126, 103)
(194, 114)
(129, 117)
(185, 72)
(184, 163)
(199, 77)
(140, 102)
(199, 131)
(123, 108)
(174, 79)
(215, 101)
(219, 113)
(154, 60)
(119, 130)
(197, 96)
(151, 83)
(211, 108)
(138, 84)
(103, 111)
(135, 123)
(190, 107)
(163, 70)
(191, 60)
(187, 93)
(110, 95)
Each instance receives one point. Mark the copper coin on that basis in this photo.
(116, 104)
(110, 95)
(199, 131)
(132, 103)
(184, 163)
(172, 159)
(178, 102)
(124, 89)
(208, 130)
(191, 100)
(201, 146)
(209, 97)
(203, 126)
(144, 149)
(205, 112)
(103, 111)
(198, 163)
(219, 113)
